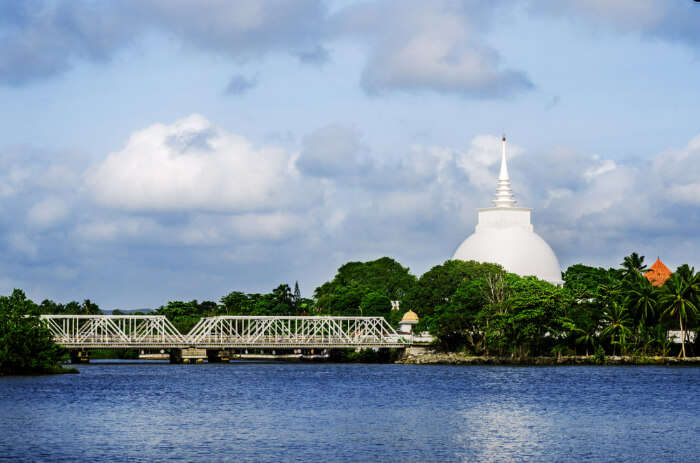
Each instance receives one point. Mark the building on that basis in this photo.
(504, 235)
(658, 273)
(409, 319)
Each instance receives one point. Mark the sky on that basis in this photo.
(158, 150)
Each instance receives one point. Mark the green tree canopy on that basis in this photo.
(437, 286)
(25, 343)
(355, 280)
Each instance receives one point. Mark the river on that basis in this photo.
(251, 412)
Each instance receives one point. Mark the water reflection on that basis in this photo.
(494, 432)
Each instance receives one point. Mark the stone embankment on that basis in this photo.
(427, 357)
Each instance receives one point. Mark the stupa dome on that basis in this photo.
(504, 236)
(410, 317)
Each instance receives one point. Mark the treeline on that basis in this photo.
(47, 306)
(358, 289)
(481, 309)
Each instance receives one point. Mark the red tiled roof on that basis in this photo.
(658, 273)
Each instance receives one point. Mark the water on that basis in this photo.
(254, 412)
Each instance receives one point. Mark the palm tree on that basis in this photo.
(633, 265)
(679, 295)
(587, 336)
(641, 297)
(617, 322)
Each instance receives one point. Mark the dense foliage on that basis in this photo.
(609, 311)
(482, 309)
(281, 301)
(468, 306)
(25, 343)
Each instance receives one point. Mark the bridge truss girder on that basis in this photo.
(114, 331)
(293, 332)
(222, 332)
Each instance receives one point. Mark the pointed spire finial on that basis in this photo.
(504, 195)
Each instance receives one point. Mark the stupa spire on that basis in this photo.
(504, 194)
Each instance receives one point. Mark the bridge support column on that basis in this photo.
(79, 356)
(217, 356)
(175, 355)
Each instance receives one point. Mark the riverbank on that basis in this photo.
(416, 357)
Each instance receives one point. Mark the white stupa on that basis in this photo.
(504, 236)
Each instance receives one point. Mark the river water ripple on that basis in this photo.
(251, 412)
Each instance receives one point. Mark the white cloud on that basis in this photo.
(483, 154)
(437, 45)
(332, 151)
(273, 226)
(47, 37)
(600, 168)
(47, 212)
(179, 186)
(189, 165)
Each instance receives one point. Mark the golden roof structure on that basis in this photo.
(658, 273)
(410, 317)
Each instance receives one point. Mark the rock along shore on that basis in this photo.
(454, 358)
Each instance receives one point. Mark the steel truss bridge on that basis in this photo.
(223, 332)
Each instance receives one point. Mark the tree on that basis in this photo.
(355, 280)
(375, 304)
(616, 321)
(641, 297)
(437, 286)
(584, 282)
(535, 319)
(679, 298)
(296, 298)
(90, 308)
(586, 336)
(26, 345)
(235, 303)
(633, 265)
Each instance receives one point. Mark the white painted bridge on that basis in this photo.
(222, 332)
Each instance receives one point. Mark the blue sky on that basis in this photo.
(161, 150)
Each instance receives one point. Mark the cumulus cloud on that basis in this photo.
(483, 153)
(43, 38)
(333, 151)
(438, 46)
(242, 28)
(191, 165)
(260, 215)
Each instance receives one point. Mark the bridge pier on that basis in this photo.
(79, 356)
(188, 355)
(175, 355)
(217, 356)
